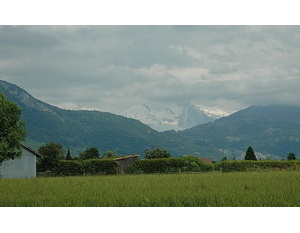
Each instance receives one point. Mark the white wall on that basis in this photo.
(24, 167)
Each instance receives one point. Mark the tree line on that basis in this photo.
(53, 152)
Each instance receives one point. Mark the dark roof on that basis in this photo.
(127, 157)
(31, 150)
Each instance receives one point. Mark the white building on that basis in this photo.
(23, 167)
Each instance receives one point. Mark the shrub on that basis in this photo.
(69, 168)
(157, 153)
(167, 165)
(250, 155)
(90, 153)
(197, 165)
(239, 166)
(101, 166)
(291, 156)
(89, 167)
(51, 154)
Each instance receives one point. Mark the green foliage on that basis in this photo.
(110, 154)
(52, 152)
(194, 167)
(197, 165)
(291, 156)
(101, 166)
(250, 154)
(69, 168)
(12, 130)
(90, 153)
(242, 166)
(68, 156)
(166, 165)
(157, 153)
(87, 167)
(224, 159)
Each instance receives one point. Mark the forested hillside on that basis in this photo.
(272, 131)
(81, 129)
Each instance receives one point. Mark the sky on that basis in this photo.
(111, 68)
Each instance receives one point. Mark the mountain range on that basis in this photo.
(80, 129)
(272, 131)
(177, 117)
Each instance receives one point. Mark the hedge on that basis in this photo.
(87, 167)
(247, 165)
(197, 165)
(69, 168)
(165, 165)
(101, 166)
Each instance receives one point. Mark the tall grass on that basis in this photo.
(187, 190)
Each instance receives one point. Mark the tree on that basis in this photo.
(12, 130)
(52, 153)
(157, 153)
(68, 156)
(250, 154)
(90, 153)
(109, 154)
(224, 159)
(291, 156)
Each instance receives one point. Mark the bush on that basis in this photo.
(167, 165)
(87, 167)
(69, 168)
(51, 154)
(157, 153)
(240, 166)
(101, 166)
(197, 165)
(90, 153)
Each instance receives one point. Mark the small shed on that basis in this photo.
(126, 161)
(22, 167)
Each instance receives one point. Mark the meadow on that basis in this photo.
(214, 189)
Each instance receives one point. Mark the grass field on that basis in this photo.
(276, 189)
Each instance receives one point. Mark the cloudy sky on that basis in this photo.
(111, 68)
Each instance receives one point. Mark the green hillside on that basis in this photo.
(272, 131)
(81, 129)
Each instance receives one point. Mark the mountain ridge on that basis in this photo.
(174, 116)
(79, 129)
(273, 130)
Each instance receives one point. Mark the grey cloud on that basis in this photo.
(18, 36)
(114, 67)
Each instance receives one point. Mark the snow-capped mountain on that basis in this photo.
(175, 117)
(165, 119)
(215, 112)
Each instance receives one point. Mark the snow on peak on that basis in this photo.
(214, 111)
(174, 116)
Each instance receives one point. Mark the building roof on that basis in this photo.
(31, 150)
(126, 157)
(206, 160)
